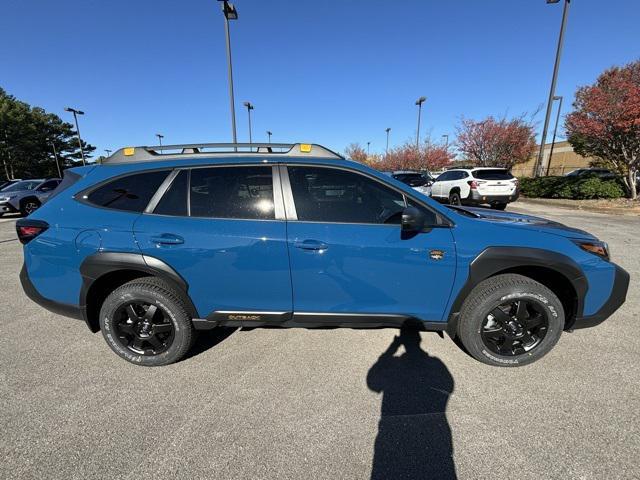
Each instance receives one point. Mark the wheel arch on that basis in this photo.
(559, 273)
(103, 272)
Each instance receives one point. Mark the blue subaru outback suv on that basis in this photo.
(157, 243)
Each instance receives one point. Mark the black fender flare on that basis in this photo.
(493, 260)
(97, 265)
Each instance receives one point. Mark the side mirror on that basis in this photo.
(412, 220)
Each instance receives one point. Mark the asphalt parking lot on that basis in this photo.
(319, 404)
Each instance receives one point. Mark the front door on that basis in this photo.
(218, 227)
(348, 257)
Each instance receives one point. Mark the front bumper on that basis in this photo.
(6, 207)
(476, 197)
(615, 300)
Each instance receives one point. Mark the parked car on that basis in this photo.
(597, 172)
(26, 196)
(420, 181)
(476, 186)
(6, 183)
(151, 247)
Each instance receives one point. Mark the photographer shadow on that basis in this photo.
(414, 438)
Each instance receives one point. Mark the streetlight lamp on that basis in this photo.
(419, 103)
(446, 141)
(552, 90)
(555, 131)
(269, 134)
(160, 137)
(249, 108)
(230, 13)
(388, 129)
(75, 117)
(108, 152)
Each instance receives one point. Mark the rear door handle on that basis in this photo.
(167, 239)
(311, 245)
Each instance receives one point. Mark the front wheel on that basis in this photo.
(145, 322)
(510, 320)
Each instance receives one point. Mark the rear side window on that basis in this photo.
(131, 193)
(492, 175)
(232, 192)
(67, 181)
(174, 201)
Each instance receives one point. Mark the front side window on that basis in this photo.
(340, 196)
(130, 193)
(232, 192)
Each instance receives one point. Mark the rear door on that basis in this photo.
(222, 229)
(349, 260)
(494, 181)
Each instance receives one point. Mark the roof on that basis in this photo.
(210, 150)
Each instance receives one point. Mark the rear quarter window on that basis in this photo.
(131, 193)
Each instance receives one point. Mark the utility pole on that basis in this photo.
(55, 156)
(230, 13)
(75, 117)
(269, 134)
(160, 137)
(552, 90)
(386, 152)
(555, 131)
(419, 103)
(249, 108)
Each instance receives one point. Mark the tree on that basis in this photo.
(27, 136)
(605, 123)
(355, 152)
(430, 156)
(496, 143)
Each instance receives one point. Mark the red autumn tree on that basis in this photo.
(407, 157)
(496, 143)
(355, 152)
(605, 123)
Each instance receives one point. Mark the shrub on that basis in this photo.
(575, 188)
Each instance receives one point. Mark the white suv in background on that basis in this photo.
(475, 186)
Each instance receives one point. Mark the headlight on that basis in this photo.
(7, 198)
(598, 248)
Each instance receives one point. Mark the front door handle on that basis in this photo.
(311, 245)
(167, 239)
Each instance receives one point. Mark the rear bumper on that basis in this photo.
(615, 300)
(475, 197)
(73, 311)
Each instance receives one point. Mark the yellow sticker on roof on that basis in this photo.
(305, 147)
(129, 151)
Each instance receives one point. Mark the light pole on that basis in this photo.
(419, 103)
(75, 117)
(160, 137)
(446, 141)
(386, 150)
(249, 108)
(230, 13)
(555, 131)
(269, 134)
(552, 90)
(108, 152)
(55, 155)
(368, 143)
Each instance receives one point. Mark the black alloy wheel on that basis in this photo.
(515, 327)
(143, 328)
(30, 206)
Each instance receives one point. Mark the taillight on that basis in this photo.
(473, 184)
(29, 229)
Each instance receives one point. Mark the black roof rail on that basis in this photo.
(174, 152)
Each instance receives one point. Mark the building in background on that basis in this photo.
(563, 161)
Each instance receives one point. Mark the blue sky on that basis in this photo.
(331, 72)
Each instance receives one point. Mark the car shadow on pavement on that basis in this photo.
(414, 438)
(207, 339)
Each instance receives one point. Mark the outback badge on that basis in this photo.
(436, 254)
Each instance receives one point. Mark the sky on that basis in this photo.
(327, 72)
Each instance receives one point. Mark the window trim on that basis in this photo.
(290, 203)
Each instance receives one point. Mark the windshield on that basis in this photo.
(412, 179)
(24, 185)
(492, 174)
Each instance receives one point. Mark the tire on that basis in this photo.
(28, 206)
(498, 206)
(454, 198)
(167, 334)
(497, 331)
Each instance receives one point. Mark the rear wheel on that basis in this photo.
(498, 206)
(454, 198)
(28, 206)
(145, 322)
(510, 320)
